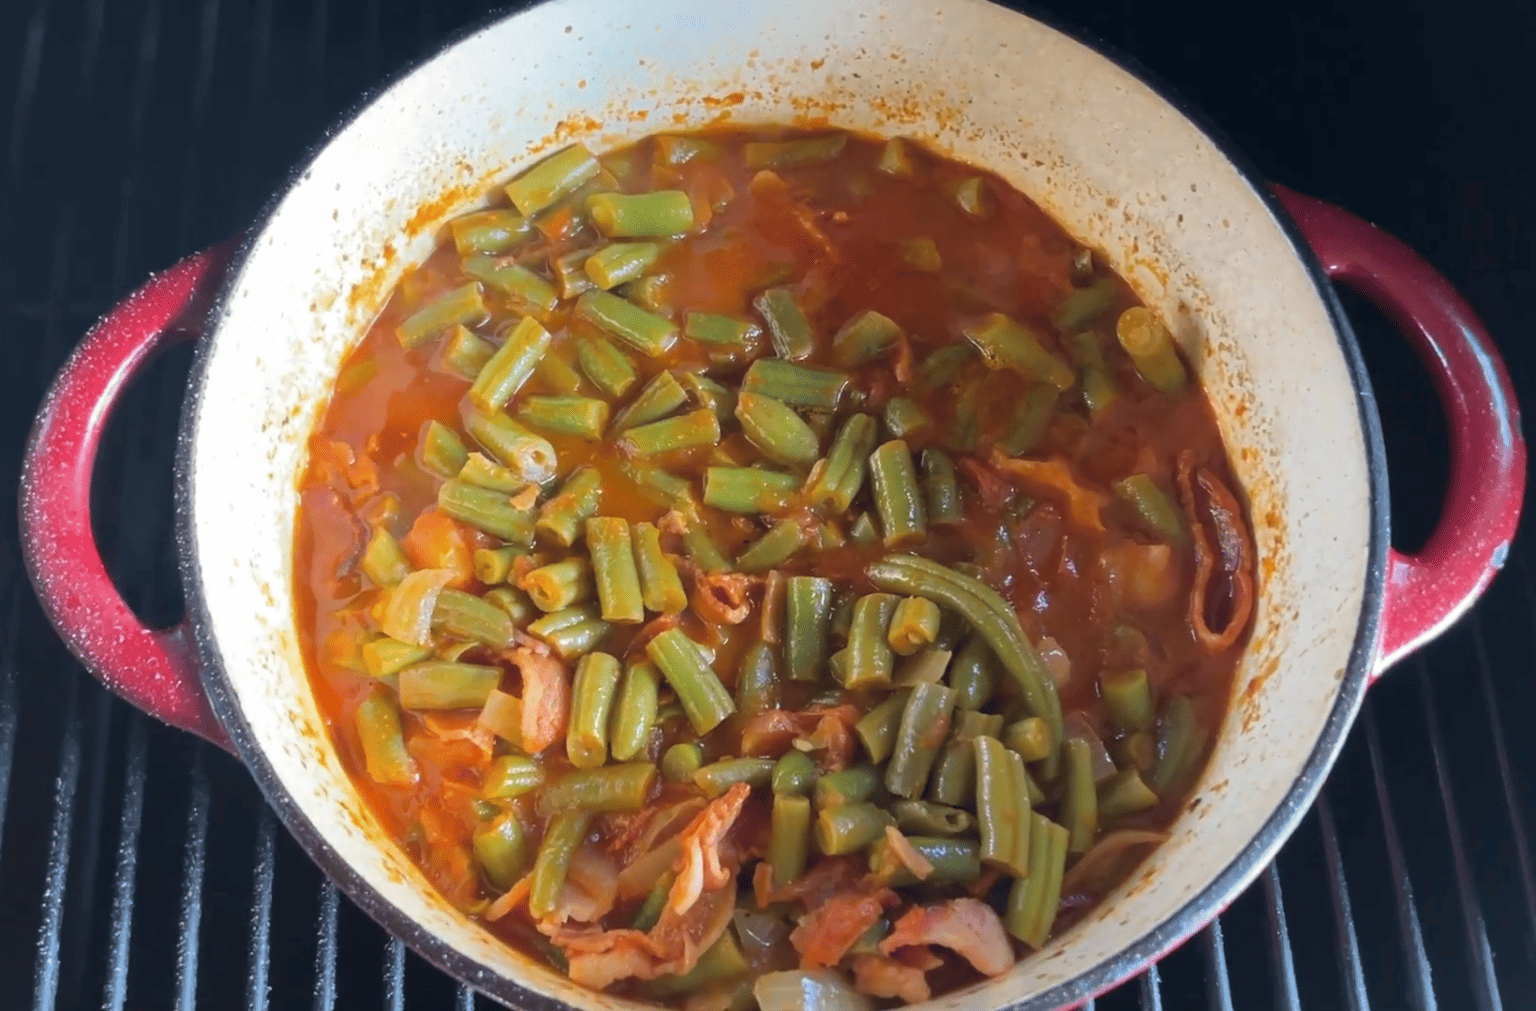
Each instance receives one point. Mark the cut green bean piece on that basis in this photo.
(973, 674)
(525, 291)
(609, 368)
(1123, 793)
(641, 215)
(463, 304)
(377, 722)
(748, 489)
(757, 682)
(1030, 737)
(681, 761)
(953, 780)
(1127, 698)
(927, 666)
(788, 328)
(510, 776)
(776, 430)
(864, 338)
(1006, 343)
(924, 726)
(1002, 807)
(707, 393)
(836, 480)
(699, 545)
(698, 688)
(973, 199)
(1152, 349)
(1030, 421)
(716, 778)
(493, 231)
(1033, 900)
(582, 416)
(1157, 512)
(649, 913)
(856, 784)
(513, 602)
(567, 618)
(896, 159)
(1084, 305)
(795, 153)
(621, 262)
(562, 518)
(383, 560)
(486, 510)
(593, 689)
(877, 728)
(804, 386)
(442, 685)
(914, 624)
(869, 662)
(850, 827)
(465, 352)
(942, 368)
(719, 331)
(794, 773)
(651, 293)
(557, 374)
(1179, 741)
(657, 399)
(566, 832)
(679, 149)
(904, 418)
(1095, 377)
(483, 472)
(941, 489)
(685, 431)
(552, 179)
(570, 272)
(528, 455)
(467, 616)
(661, 588)
(898, 497)
(511, 365)
(1079, 803)
(954, 861)
(921, 254)
(772, 549)
(634, 711)
(501, 851)
(863, 532)
(385, 656)
(788, 842)
(611, 788)
(721, 963)
(919, 817)
(614, 570)
(807, 617)
(558, 585)
(644, 331)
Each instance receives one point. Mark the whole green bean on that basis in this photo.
(609, 368)
(869, 661)
(681, 761)
(463, 304)
(1032, 901)
(644, 331)
(377, 721)
(788, 328)
(1006, 343)
(919, 817)
(439, 451)
(807, 616)
(776, 430)
(850, 827)
(898, 498)
(525, 291)
(657, 399)
(614, 570)
(789, 838)
(511, 365)
(772, 549)
(864, 337)
(566, 832)
(552, 179)
(718, 777)
(583, 416)
(605, 789)
(486, 510)
(794, 773)
(805, 386)
(510, 776)
(954, 861)
(436, 684)
(495, 231)
(562, 518)
(641, 215)
(1002, 807)
(684, 431)
(748, 489)
(924, 726)
(698, 688)
(613, 265)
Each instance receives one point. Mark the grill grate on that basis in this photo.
(139, 868)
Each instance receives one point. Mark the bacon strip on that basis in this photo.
(966, 926)
(702, 841)
(1231, 553)
(546, 698)
(883, 976)
(721, 597)
(828, 930)
(1083, 504)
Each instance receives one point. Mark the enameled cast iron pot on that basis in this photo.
(1241, 271)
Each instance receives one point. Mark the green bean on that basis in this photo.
(748, 489)
(914, 624)
(795, 153)
(898, 498)
(465, 352)
(513, 602)
(614, 265)
(566, 832)
(698, 688)
(1095, 377)
(794, 773)
(716, 778)
(558, 585)
(1030, 421)
(1079, 803)
(710, 394)
(672, 149)
(571, 641)
(463, 304)
(988, 613)
(383, 561)
(483, 472)
(972, 197)
(685, 431)
(570, 272)
(796, 385)
(494, 231)
(1032, 901)
(941, 368)
(614, 570)
(1124, 793)
(529, 456)
(511, 365)
(789, 838)
(649, 913)
(439, 451)
(698, 544)
(776, 430)
(869, 661)
(437, 684)
(1135, 751)
(377, 722)
(593, 691)
(924, 726)
(807, 614)
(567, 618)
(837, 479)
(922, 818)
(510, 776)
(552, 179)
(863, 338)
(849, 828)
(1030, 737)
(856, 784)
(1006, 343)
(681, 761)
(641, 215)
(1084, 305)
(719, 331)
(634, 712)
(863, 532)
(468, 617)
(1127, 698)
(1179, 742)
(385, 656)
(842, 614)
(486, 510)
(921, 254)
(649, 293)
(954, 861)
(610, 788)
(896, 159)
(581, 416)
(1157, 512)
(773, 548)
(972, 674)
(1152, 350)
(609, 368)
(1002, 807)
(953, 780)
(661, 588)
(562, 518)
(644, 331)
(904, 418)
(501, 851)
(757, 682)
(788, 328)
(925, 667)
(525, 291)
(657, 399)
(722, 961)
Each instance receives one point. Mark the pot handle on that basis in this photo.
(154, 669)
(1426, 592)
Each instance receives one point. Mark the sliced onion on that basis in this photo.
(408, 615)
(797, 990)
(642, 873)
(1057, 664)
(1103, 765)
(502, 715)
(763, 938)
(1102, 857)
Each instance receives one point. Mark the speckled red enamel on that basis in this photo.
(155, 669)
(1426, 592)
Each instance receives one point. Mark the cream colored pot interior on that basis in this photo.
(1098, 149)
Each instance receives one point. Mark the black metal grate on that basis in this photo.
(140, 869)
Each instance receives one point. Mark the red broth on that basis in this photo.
(1065, 658)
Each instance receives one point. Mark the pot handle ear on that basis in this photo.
(154, 669)
(1426, 592)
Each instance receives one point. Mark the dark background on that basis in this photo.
(140, 869)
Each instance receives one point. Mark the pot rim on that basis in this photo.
(1194, 915)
